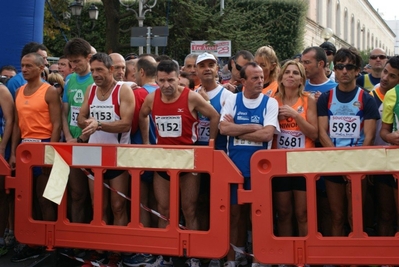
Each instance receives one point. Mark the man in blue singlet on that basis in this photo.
(249, 119)
(347, 117)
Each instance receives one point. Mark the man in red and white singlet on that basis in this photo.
(174, 109)
(106, 117)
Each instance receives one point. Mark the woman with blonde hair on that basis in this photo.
(267, 59)
(56, 80)
(298, 123)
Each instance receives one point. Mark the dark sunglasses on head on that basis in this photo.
(53, 71)
(347, 66)
(56, 85)
(238, 67)
(329, 52)
(131, 56)
(378, 56)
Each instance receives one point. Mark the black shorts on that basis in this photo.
(110, 174)
(166, 176)
(336, 179)
(387, 179)
(282, 184)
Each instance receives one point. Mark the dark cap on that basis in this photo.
(329, 46)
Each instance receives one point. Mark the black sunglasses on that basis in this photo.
(347, 66)
(131, 56)
(238, 67)
(53, 71)
(378, 56)
(329, 52)
(56, 85)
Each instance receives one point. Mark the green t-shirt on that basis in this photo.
(390, 112)
(74, 94)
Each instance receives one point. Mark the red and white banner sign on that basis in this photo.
(218, 48)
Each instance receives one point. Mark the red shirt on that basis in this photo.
(174, 122)
(139, 94)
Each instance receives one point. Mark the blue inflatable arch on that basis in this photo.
(21, 22)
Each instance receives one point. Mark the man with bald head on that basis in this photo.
(377, 60)
(145, 74)
(119, 66)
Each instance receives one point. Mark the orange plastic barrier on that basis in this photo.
(357, 248)
(173, 241)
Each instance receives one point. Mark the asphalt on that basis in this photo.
(61, 261)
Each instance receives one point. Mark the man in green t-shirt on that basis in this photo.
(78, 52)
(386, 184)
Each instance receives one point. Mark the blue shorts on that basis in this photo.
(234, 188)
(147, 177)
(36, 170)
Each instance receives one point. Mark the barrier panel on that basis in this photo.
(173, 241)
(357, 248)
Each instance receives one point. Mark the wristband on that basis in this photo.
(99, 127)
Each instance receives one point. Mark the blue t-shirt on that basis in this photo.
(324, 87)
(15, 82)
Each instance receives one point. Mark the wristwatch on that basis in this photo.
(80, 140)
(99, 127)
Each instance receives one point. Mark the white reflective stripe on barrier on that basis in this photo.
(350, 160)
(155, 158)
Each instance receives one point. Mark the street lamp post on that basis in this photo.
(327, 33)
(76, 8)
(144, 7)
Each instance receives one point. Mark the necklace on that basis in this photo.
(109, 89)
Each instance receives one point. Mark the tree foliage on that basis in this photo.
(249, 24)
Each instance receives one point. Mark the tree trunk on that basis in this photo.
(111, 8)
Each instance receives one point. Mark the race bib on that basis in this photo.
(74, 115)
(102, 112)
(169, 126)
(242, 142)
(30, 140)
(203, 131)
(344, 126)
(290, 139)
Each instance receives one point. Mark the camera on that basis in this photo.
(4, 79)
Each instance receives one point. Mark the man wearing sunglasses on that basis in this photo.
(347, 117)
(377, 61)
(235, 65)
(330, 50)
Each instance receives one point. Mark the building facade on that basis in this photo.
(394, 25)
(353, 23)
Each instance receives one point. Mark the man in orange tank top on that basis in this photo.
(34, 98)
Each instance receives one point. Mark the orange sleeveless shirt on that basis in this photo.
(291, 136)
(33, 113)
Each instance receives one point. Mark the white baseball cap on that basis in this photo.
(205, 56)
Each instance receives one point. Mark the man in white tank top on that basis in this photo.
(106, 117)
